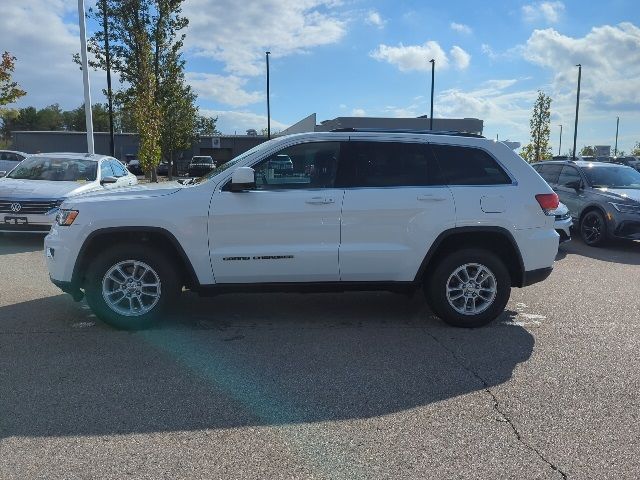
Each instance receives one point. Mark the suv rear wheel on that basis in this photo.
(469, 288)
(130, 286)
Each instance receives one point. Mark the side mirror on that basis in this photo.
(575, 184)
(107, 180)
(3, 173)
(243, 178)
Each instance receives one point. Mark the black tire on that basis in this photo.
(160, 265)
(593, 229)
(436, 288)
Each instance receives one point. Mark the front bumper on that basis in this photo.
(535, 276)
(25, 223)
(563, 227)
(629, 229)
(70, 288)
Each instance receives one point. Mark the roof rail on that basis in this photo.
(453, 133)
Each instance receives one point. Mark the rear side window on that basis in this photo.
(387, 164)
(549, 172)
(469, 166)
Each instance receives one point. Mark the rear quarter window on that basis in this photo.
(469, 166)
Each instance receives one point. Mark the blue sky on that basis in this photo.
(352, 57)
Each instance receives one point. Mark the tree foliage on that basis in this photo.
(636, 150)
(9, 90)
(207, 126)
(540, 124)
(147, 36)
(588, 151)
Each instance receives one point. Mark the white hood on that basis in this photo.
(43, 189)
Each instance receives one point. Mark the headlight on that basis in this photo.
(64, 218)
(624, 208)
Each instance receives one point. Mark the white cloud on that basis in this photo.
(35, 32)
(374, 18)
(416, 57)
(223, 89)
(358, 112)
(233, 122)
(549, 12)
(461, 28)
(460, 58)
(238, 35)
(610, 56)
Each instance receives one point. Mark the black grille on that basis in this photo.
(28, 206)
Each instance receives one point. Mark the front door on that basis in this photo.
(288, 228)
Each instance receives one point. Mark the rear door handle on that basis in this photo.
(430, 198)
(319, 200)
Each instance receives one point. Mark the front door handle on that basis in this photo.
(430, 198)
(319, 200)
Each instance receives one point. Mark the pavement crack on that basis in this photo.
(496, 406)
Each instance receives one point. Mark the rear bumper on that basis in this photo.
(535, 276)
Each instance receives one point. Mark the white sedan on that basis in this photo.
(38, 185)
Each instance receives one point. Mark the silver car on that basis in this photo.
(31, 192)
(9, 159)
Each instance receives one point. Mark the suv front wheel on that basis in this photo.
(469, 288)
(130, 286)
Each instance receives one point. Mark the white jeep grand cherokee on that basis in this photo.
(461, 217)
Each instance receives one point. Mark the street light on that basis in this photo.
(615, 149)
(268, 104)
(560, 147)
(107, 57)
(85, 77)
(575, 129)
(433, 70)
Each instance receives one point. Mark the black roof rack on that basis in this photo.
(452, 133)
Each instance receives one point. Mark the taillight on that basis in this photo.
(548, 202)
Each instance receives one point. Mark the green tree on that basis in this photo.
(540, 124)
(207, 126)
(146, 112)
(75, 120)
(636, 150)
(9, 90)
(588, 151)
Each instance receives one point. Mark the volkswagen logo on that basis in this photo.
(16, 207)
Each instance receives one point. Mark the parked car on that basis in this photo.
(40, 183)
(9, 159)
(134, 167)
(281, 162)
(603, 198)
(200, 165)
(460, 217)
(629, 161)
(563, 222)
(163, 169)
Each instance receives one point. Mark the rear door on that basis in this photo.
(395, 205)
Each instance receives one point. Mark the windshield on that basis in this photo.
(232, 162)
(56, 169)
(613, 177)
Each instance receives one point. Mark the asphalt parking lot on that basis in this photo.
(348, 386)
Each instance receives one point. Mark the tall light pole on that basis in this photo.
(107, 57)
(560, 146)
(433, 76)
(575, 129)
(615, 149)
(268, 102)
(85, 77)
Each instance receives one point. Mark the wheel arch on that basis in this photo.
(154, 236)
(494, 239)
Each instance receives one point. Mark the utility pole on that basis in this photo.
(433, 76)
(615, 149)
(560, 146)
(575, 129)
(268, 102)
(85, 77)
(107, 56)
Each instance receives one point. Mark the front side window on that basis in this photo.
(118, 169)
(469, 166)
(106, 170)
(56, 169)
(307, 165)
(387, 164)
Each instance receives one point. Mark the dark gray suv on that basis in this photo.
(603, 198)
